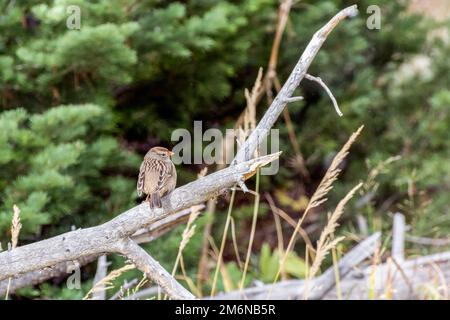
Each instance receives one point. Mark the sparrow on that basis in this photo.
(157, 176)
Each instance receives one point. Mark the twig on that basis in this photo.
(143, 293)
(278, 212)
(126, 286)
(278, 104)
(427, 241)
(404, 276)
(327, 90)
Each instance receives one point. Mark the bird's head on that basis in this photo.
(160, 153)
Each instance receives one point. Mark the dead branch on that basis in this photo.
(113, 236)
(153, 270)
(398, 237)
(105, 238)
(102, 271)
(414, 280)
(65, 268)
(268, 120)
(293, 289)
(418, 278)
(327, 90)
(124, 288)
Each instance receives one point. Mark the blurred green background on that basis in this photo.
(79, 109)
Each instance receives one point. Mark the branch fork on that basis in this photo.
(114, 235)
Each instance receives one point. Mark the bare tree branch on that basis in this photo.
(327, 90)
(64, 269)
(126, 286)
(110, 236)
(153, 270)
(293, 289)
(417, 275)
(103, 238)
(268, 120)
(398, 237)
(427, 241)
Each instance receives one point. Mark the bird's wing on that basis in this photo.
(173, 181)
(165, 171)
(141, 178)
(153, 176)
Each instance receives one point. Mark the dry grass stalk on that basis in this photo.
(15, 227)
(332, 174)
(319, 195)
(106, 282)
(235, 245)
(15, 231)
(326, 241)
(247, 119)
(243, 126)
(279, 212)
(189, 230)
(188, 233)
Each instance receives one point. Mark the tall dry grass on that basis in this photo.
(15, 231)
(326, 241)
(107, 282)
(319, 196)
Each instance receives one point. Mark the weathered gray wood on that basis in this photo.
(102, 271)
(153, 270)
(298, 73)
(109, 237)
(409, 280)
(64, 269)
(103, 238)
(427, 241)
(398, 237)
(358, 254)
(294, 289)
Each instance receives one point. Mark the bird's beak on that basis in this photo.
(171, 153)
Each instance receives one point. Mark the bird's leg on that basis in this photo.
(149, 201)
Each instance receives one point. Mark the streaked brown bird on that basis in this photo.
(157, 176)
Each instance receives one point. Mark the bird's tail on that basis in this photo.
(155, 200)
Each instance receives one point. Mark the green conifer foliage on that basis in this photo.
(62, 165)
(79, 108)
